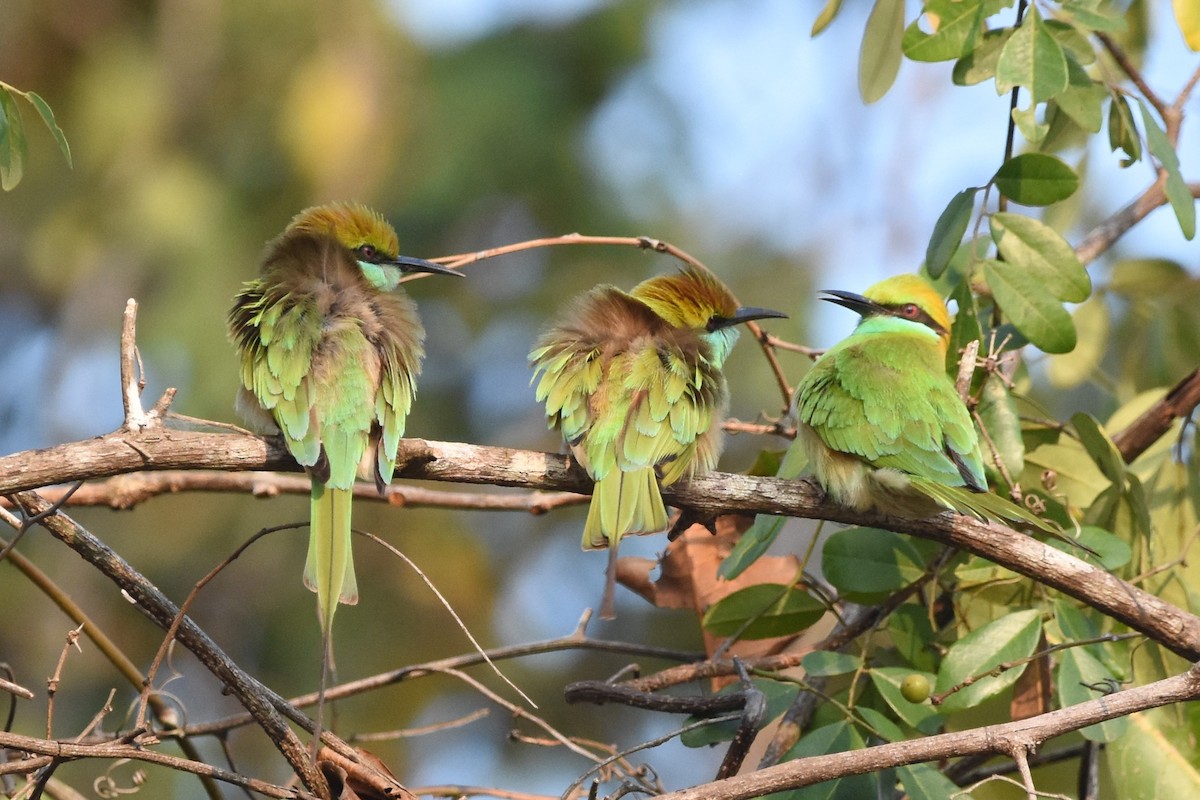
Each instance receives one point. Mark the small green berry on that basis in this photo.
(915, 688)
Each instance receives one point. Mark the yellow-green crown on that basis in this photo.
(688, 298)
(352, 224)
(902, 289)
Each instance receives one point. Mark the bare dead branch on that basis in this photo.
(48, 751)
(255, 697)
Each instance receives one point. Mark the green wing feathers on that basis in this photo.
(850, 399)
(329, 568)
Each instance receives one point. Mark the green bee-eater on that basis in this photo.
(633, 381)
(330, 353)
(880, 420)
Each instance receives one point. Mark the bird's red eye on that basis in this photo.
(910, 311)
(367, 251)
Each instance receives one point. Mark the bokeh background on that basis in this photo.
(199, 127)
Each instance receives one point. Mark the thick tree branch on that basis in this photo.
(1144, 431)
(1027, 734)
(127, 451)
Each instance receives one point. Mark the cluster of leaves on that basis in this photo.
(965, 628)
(13, 146)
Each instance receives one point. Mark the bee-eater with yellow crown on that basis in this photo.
(633, 381)
(879, 419)
(330, 353)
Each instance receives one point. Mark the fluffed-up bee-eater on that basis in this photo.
(880, 420)
(633, 382)
(330, 354)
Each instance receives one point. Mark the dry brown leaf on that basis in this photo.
(365, 779)
(1033, 691)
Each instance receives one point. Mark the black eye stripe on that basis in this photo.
(921, 316)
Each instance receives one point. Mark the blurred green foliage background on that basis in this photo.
(199, 127)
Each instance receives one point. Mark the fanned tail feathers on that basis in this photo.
(624, 503)
(329, 569)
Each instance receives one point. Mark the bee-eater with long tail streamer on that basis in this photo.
(330, 354)
(633, 382)
(880, 420)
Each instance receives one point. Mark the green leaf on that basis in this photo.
(1027, 123)
(998, 415)
(1078, 627)
(912, 634)
(1147, 277)
(882, 725)
(921, 716)
(1035, 179)
(1023, 299)
(757, 539)
(979, 65)
(1087, 14)
(1074, 44)
(1097, 444)
(1091, 327)
(1010, 638)
(1032, 58)
(779, 695)
(1114, 551)
(966, 327)
(880, 55)
(1083, 99)
(840, 737)
(831, 9)
(1073, 471)
(1076, 667)
(12, 142)
(48, 117)
(1039, 250)
(948, 232)
(924, 782)
(1122, 133)
(955, 27)
(869, 561)
(1158, 758)
(824, 663)
(1182, 202)
(765, 610)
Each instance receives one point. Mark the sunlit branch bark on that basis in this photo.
(710, 494)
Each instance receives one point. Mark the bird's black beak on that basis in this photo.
(855, 302)
(744, 314)
(410, 264)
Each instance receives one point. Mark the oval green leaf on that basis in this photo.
(1036, 179)
(1032, 58)
(880, 55)
(1010, 638)
(825, 663)
(12, 142)
(1039, 250)
(763, 611)
(831, 9)
(956, 26)
(999, 418)
(43, 108)
(1041, 318)
(870, 561)
(948, 232)
(979, 65)
(1178, 193)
